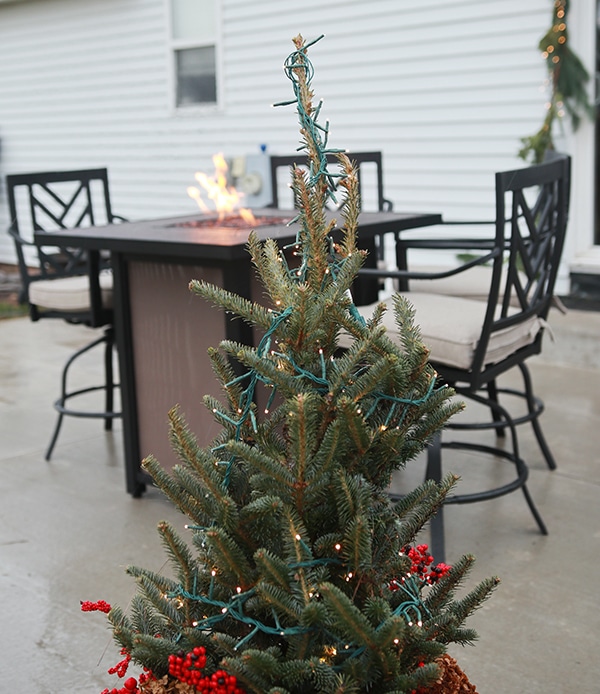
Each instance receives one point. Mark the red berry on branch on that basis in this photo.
(100, 606)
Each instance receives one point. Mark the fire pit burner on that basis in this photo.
(232, 222)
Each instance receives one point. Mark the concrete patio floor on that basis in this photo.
(68, 530)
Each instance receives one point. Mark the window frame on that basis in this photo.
(174, 45)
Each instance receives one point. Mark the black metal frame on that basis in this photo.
(528, 242)
(67, 262)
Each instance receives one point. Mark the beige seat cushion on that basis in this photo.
(451, 327)
(69, 293)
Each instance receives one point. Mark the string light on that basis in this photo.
(234, 609)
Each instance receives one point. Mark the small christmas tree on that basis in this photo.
(301, 575)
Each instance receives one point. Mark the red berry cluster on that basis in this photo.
(100, 606)
(188, 667)
(120, 669)
(130, 686)
(422, 564)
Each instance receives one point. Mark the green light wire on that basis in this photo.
(295, 62)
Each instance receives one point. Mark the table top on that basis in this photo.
(183, 237)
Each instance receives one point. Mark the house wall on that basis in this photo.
(444, 90)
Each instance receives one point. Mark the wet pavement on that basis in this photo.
(68, 529)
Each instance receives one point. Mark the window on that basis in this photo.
(194, 28)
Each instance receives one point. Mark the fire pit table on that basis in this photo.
(163, 331)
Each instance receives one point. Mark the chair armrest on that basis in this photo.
(467, 222)
(407, 240)
(447, 244)
(409, 274)
(19, 239)
(425, 241)
(406, 237)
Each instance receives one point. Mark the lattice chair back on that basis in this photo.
(537, 232)
(49, 201)
(369, 166)
(370, 179)
(531, 211)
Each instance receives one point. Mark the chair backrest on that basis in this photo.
(49, 201)
(370, 178)
(531, 221)
(553, 155)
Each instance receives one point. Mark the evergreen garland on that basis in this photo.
(568, 77)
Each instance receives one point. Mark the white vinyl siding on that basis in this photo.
(444, 89)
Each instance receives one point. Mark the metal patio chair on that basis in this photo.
(473, 342)
(66, 283)
(474, 284)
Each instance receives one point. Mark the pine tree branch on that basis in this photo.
(180, 556)
(272, 569)
(264, 464)
(250, 312)
(230, 559)
(347, 618)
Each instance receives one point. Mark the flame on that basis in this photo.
(247, 216)
(226, 199)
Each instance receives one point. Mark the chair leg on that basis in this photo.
(535, 408)
(492, 390)
(434, 471)
(436, 524)
(108, 372)
(521, 467)
(54, 436)
(61, 404)
(536, 514)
